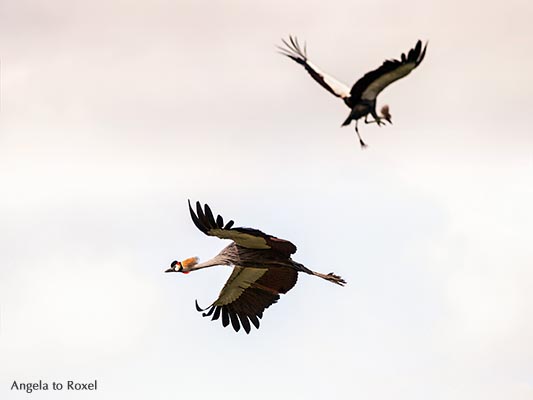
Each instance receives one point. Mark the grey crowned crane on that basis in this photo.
(361, 98)
(262, 270)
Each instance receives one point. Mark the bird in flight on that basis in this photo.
(361, 98)
(262, 270)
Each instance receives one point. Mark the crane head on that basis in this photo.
(385, 113)
(183, 266)
(175, 266)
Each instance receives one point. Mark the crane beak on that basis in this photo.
(175, 270)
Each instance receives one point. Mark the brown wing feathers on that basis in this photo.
(249, 306)
(248, 291)
(415, 56)
(206, 222)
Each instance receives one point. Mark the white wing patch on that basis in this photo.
(383, 81)
(339, 88)
(242, 239)
(240, 280)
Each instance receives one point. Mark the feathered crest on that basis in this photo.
(385, 113)
(190, 262)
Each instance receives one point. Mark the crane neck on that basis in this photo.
(209, 263)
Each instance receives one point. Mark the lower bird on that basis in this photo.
(361, 98)
(262, 270)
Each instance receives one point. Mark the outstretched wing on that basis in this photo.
(370, 85)
(247, 293)
(293, 50)
(245, 237)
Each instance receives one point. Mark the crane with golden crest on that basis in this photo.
(262, 270)
(361, 98)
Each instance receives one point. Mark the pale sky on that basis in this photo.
(114, 113)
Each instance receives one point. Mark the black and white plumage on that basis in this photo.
(262, 270)
(361, 98)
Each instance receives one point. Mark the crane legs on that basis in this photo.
(376, 120)
(363, 144)
(331, 277)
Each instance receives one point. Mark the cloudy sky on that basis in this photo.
(114, 113)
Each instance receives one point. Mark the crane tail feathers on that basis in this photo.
(347, 121)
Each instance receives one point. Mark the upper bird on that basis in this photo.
(361, 98)
(262, 270)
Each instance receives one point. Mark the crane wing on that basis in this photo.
(245, 237)
(372, 83)
(293, 50)
(247, 293)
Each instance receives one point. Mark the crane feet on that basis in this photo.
(332, 278)
(335, 279)
(379, 122)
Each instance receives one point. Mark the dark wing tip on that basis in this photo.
(197, 222)
(418, 46)
(422, 54)
(411, 55)
(225, 317)
(229, 225)
(245, 323)
(234, 321)
(209, 215)
(200, 214)
(208, 314)
(216, 315)
(417, 53)
(198, 308)
(230, 316)
(204, 218)
(254, 320)
(293, 49)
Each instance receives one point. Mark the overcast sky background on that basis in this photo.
(114, 113)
